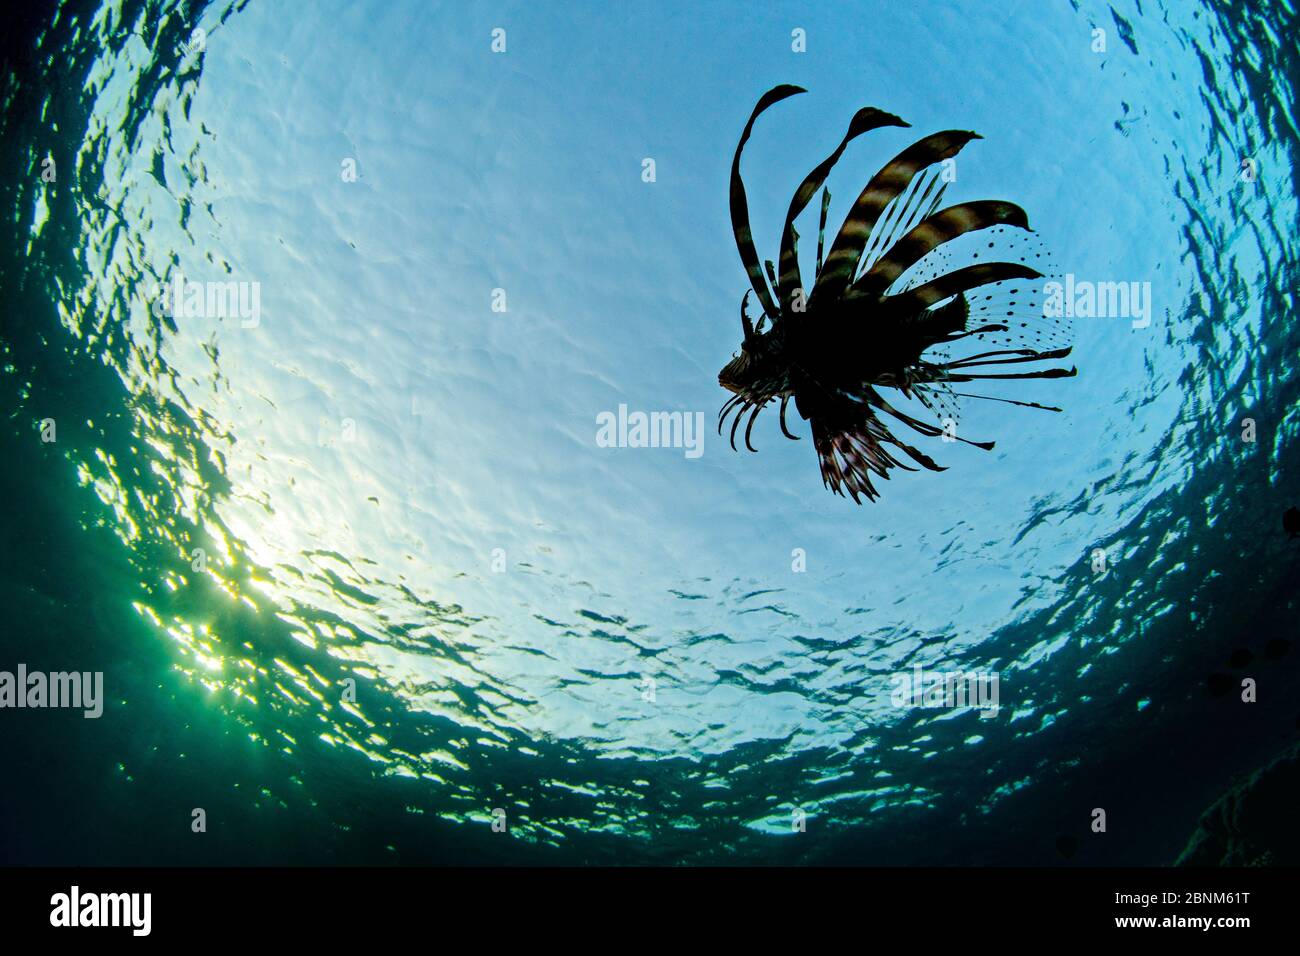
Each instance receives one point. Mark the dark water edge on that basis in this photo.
(1251, 825)
(64, 800)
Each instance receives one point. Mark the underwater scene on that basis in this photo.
(649, 434)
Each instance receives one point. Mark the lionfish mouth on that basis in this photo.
(748, 402)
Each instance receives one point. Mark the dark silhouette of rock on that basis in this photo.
(1253, 824)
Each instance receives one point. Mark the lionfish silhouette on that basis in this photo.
(863, 329)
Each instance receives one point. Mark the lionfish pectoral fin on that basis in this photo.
(903, 213)
(1017, 355)
(884, 187)
(865, 120)
(1070, 372)
(957, 281)
(970, 369)
(923, 428)
(1009, 401)
(934, 231)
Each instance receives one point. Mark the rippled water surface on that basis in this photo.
(384, 479)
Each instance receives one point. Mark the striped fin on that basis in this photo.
(821, 228)
(903, 214)
(934, 204)
(969, 369)
(849, 454)
(740, 205)
(924, 428)
(1017, 355)
(864, 120)
(1045, 373)
(885, 186)
(1008, 401)
(960, 280)
(935, 231)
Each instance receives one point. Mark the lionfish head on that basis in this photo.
(756, 375)
(737, 375)
(754, 370)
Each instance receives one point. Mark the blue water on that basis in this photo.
(392, 482)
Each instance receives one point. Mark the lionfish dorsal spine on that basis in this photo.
(932, 232)
(955, 282)
(865, 120)
(888, 183)
(821, 229)
(740, 205)
(903, 214)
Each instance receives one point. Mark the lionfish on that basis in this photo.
(885, 311)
